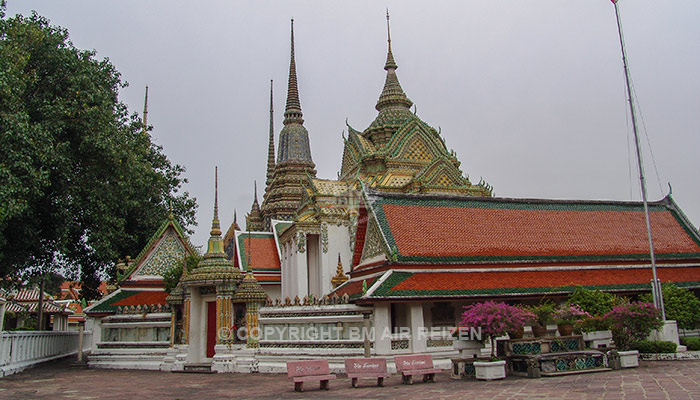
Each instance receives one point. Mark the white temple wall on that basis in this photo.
(285, 266)
(313, 261)
(338, 242)
(196, 347)
(273, 291)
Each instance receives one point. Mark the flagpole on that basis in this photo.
(655, 286)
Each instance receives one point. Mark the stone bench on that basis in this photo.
(366, 368)
(309, 371)
(416, 365)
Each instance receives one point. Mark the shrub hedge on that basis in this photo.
(654, 346)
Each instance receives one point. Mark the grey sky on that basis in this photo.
(530, 94)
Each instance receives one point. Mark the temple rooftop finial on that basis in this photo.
(390, 63)
(392, 95)
(255, 192)
(270, 146)
(292, 112)
(215, 226)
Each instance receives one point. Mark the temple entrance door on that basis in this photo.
(211, 328)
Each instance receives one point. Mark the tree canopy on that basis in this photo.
(81, 182)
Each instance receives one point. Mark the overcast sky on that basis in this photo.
(530, 94)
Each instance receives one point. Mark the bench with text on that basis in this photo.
(416, 365)
(366, 368)
(309, 371)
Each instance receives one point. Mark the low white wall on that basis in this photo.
(22, 350)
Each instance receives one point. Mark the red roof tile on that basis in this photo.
(262, 249)
(477, 229)
(470, 284)
(143, 298)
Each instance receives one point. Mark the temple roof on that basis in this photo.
(450, 229)
(128, 298)
(514, 281)
(264, 255)
(167, 246)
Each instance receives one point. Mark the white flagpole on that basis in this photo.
(655, 286)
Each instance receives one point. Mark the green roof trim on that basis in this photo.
(108, 304)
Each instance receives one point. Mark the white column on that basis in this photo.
(2, 312)
(382, 328)
(302, 269)
(96, 333)
(418, 329)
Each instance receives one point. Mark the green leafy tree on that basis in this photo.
(172, 276)
(593, 302)
(81, 182)
(680, 304)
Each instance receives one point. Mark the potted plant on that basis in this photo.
(567, 316)
(631, 323)
(493, 320)
(543, 315)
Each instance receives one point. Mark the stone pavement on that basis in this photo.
(652, 380)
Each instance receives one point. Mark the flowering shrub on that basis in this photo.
(570, 314)
(633, 322)
(494, 319)
(542, 313)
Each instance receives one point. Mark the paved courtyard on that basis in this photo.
(652, 380)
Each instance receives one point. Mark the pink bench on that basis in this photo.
(416, 365)
(309, 371)
(366, 368)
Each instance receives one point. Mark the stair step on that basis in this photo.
(197, 369)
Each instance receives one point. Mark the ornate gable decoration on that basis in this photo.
(374, 243)
(166, 253)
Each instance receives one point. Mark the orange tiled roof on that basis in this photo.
(450, 229)
(262, 250)
(127, 297)
(535, 281)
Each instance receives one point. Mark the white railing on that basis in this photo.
(21, 350)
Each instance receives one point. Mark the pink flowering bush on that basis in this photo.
(570, 314)
(633, 322)
(494, 319)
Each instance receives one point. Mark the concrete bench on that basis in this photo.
(416, 365)
(309, 371)
(366, 368)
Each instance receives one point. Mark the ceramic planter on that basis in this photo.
(490, 370)
(517, 334)
(539, 330)
(629, 359)
(566, 329)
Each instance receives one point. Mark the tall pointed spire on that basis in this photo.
(292, 112)
(270, 146)
(392, 95)
(255, 192)
(145, 112)
(215, 267)
(390, 63)
(294, 164)
(215, 244)
(254, 220)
